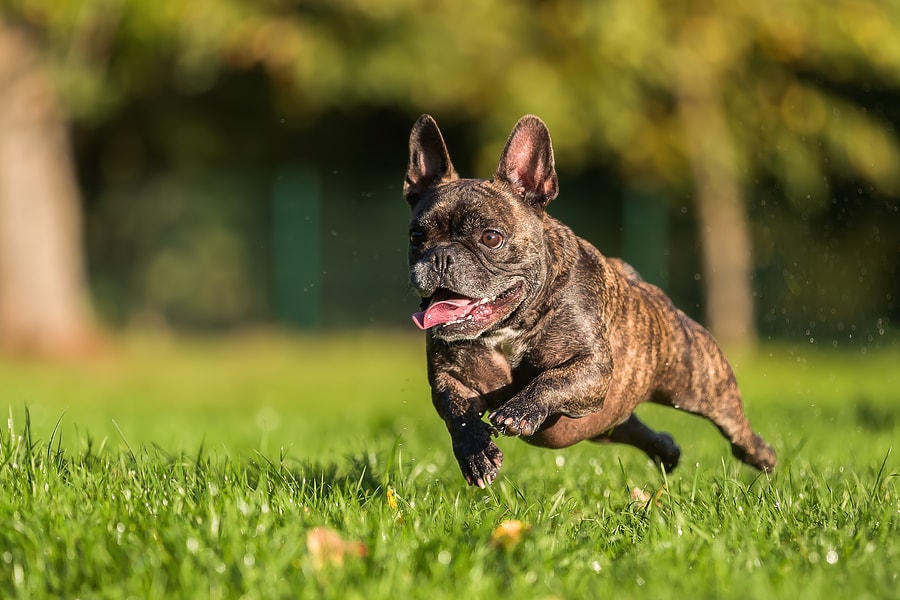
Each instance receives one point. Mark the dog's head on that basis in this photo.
(476, 247)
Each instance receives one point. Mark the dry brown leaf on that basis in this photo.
(327, 547)
(509, 533)
(639, 495)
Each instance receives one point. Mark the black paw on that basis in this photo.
(518, 418)
(667, 452)
(480, 467)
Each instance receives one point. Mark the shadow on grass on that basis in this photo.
(876, 418)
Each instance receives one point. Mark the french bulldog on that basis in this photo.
(532, 325)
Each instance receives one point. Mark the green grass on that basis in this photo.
(198, 470)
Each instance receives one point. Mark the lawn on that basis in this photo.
(314, 467)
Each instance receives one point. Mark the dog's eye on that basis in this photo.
(492, 239)
(416, 237)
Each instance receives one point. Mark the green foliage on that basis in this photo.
(188, 495)
(807, 91)
(793, 75)
(186, 248)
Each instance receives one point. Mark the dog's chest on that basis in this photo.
(509, 343)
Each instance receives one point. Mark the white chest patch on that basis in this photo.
(507, 342)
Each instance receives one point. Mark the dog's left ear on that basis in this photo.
(429, 160)
(527, 162)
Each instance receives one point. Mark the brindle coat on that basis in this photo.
(586, 342)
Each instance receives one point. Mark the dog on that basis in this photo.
(532, 325)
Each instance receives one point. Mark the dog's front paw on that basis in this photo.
(479, 461)
(519, 418)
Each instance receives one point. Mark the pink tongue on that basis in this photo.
(444, 311)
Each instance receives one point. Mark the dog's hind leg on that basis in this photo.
(719, 400)
(632, 431)
(727, 413)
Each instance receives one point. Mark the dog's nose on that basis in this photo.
(441, 260)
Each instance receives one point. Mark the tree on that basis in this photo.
(42, 295)
(54, 58)
(691, 98)
(695, 99)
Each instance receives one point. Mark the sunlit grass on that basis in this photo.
(200, 469)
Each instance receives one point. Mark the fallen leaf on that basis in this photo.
(509, 533)
(639, 495)
(327, 547)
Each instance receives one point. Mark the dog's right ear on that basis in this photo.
(429, 161)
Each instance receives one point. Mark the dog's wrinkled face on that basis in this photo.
(471, 259)
(476, 249)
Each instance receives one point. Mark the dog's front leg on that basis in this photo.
(464, 378)
(461, 408)
(574, 389)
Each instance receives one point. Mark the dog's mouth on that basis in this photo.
(449, 309)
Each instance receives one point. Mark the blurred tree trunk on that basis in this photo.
(43, 303)
(724, 224)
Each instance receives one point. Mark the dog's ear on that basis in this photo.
(429, 161)
(527, 162)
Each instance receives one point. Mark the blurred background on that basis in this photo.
(223, 165)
